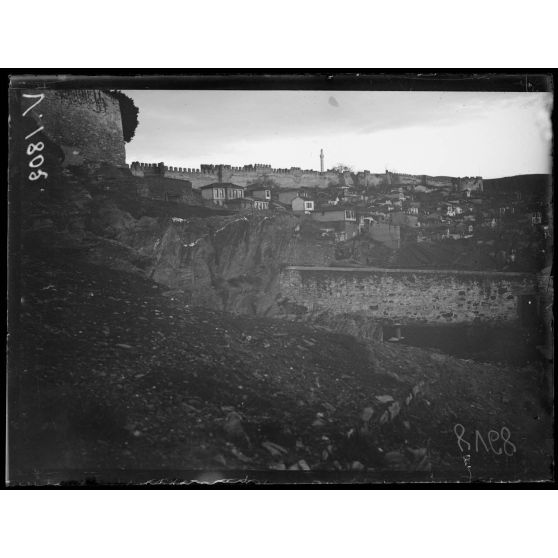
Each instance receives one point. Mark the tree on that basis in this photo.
(129, 113)
(341, 167)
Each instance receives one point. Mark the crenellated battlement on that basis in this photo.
(294, 177)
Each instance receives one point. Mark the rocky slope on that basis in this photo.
(211, 258)
(118, 381)
(133, 366)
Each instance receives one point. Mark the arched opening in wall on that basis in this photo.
(528, 310)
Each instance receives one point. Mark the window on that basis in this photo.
(537, 218)
(350, 215)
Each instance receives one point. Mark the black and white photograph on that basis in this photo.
(306, 278)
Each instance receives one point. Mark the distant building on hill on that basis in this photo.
(248, 203)
(302, 206)
(341, 219)
(258, 192)
(219, 194)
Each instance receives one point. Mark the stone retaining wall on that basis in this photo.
(408, 296)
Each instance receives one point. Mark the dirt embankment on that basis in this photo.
(207, 257)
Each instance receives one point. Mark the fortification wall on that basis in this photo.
(407, 179)
(446, 182)
(86, 124)
(366, 179)
(296, 178)
(473, 184)
(408, 296)
(208, 174)
(441, 182)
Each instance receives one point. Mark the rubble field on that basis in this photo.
(118, 378)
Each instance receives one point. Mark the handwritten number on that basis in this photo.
(491, 438)
(28, 136)
(477, 437)
(41, 97)
(34, 147)
(35, 175)
(34, 164)
(507, 441)
(509, 447)
(460, 436)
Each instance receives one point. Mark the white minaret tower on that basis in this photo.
(321, 160)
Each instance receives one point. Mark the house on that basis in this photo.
(431, 219)
(352, 195)
(456, 207)
(413, 208)
(301, 206)
(451, 208)
(248, 203)
(258, 192)
(261, 205)
(364, 223)
(536, 217)
(378, 217)
(240, 203)
(220, 193)
(384, 206)
(287, 195)
(396, 195)
(342, 219)
(335, 213)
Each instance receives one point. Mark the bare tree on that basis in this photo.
(341, 167)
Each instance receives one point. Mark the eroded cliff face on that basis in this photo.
(227, 264)
(207, 258)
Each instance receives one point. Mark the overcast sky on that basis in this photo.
(453, 133)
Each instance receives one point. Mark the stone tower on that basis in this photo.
(321, 160)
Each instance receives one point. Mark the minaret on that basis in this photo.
(321, 160)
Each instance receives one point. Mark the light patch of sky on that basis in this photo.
(437, 133)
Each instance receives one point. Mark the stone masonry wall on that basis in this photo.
(285, 178)
(295, 177)
(86, 124)
(407, 296)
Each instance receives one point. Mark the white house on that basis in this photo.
(302, 206)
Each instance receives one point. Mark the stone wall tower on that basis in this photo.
(321, 160)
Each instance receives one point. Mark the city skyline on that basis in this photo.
(433, 133)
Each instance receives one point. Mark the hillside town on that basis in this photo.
(493, 225)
